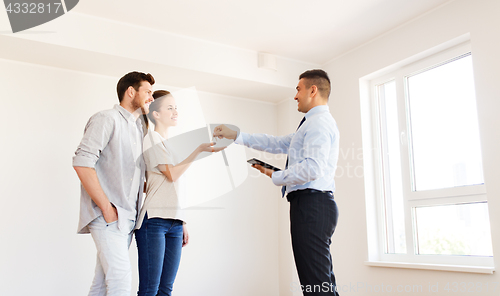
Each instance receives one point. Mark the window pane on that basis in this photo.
(391, 163)
(462, 229)
(444, 127)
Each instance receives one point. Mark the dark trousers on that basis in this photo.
(313, 218)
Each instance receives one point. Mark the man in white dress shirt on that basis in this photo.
(307, 180)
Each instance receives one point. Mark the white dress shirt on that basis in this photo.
(313, 152)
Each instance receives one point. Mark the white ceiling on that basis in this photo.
(313, 31)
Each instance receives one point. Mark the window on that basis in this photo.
(429, 190)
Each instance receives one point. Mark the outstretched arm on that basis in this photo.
(261, 142)
(173, 172)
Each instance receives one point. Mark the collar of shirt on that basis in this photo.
(128, 116)
(317, 110)
(124, 112)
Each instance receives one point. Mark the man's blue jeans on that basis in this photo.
(159, 244)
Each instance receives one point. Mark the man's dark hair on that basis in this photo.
(319, 78)
(133, 79)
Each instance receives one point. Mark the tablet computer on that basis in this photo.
(260, 162)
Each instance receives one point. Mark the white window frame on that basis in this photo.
(373, 170)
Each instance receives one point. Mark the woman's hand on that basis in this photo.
(173, 172)
(185, 235)
(208, 147)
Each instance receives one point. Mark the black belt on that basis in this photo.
(306, 191)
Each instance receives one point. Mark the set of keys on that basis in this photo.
(214, 140)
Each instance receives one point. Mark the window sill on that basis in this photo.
(441, 267)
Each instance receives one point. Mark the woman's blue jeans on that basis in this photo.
(159, 244)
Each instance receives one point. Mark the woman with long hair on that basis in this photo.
(161, 228)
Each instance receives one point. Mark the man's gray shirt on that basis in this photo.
(112, 145)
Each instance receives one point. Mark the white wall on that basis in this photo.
(233, 248)
(480, 19)
(80, 42)
(241, 246)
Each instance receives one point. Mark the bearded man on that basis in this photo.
(111, 169)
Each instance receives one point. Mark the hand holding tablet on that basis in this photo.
(263, 164)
